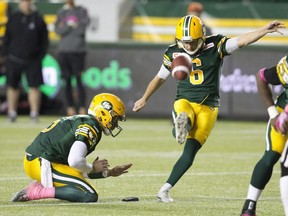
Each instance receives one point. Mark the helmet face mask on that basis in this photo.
(190, 34)
(108, 109)
(113, 124)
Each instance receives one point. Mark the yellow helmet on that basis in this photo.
(190, 30)
(108, 109)
(282, 69)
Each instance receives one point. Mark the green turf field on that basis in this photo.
(215, 186)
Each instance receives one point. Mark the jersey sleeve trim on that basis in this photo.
(221, 49)
(88, 132)
(167, 62)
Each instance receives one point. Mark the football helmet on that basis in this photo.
(190, 34)
(282, 70)
(108, 109)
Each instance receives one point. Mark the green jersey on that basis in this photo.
(54, 142)
(203, 84)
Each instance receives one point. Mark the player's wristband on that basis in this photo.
(272, 111)
(95, 175)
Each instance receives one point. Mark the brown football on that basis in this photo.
(181, 66)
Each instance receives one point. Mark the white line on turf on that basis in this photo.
(105, 201)
(8, 178)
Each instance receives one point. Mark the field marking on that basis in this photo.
(130, 128)
(102, 201)
(155, 174)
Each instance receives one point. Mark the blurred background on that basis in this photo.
(127, 39)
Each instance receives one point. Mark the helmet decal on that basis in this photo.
(107, 105)
(186, 27)
(108, 109)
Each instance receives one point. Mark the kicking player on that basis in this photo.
(197, 100)
(56, 159)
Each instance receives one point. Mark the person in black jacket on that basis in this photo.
(25, 45)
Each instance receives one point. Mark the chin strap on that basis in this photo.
(180, 44)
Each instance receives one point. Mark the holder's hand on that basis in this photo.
(99, 165)
(119, 170)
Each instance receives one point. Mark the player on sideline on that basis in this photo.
(282, 126)
(276, 137)
(196, 105)
(56, 159)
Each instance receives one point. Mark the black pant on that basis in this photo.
(72, 64)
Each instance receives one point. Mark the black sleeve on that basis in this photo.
(271, 76)
(43, 31)
(7, 37)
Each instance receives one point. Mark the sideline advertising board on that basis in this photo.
(126, 71)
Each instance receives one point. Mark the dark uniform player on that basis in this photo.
(197, 99)
(275, 139)
(56, 159)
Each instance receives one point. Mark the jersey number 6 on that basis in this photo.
(197, 76)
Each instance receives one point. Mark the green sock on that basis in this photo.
(263, 169)
(185, 161)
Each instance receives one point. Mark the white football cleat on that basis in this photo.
(181, 131)
(163, 196)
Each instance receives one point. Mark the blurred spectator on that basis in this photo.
(71, 25)
(196, 9)
(25, 45)
(5, 12)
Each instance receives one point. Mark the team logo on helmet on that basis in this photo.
(107, 105)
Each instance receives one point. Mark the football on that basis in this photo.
(181, 66)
